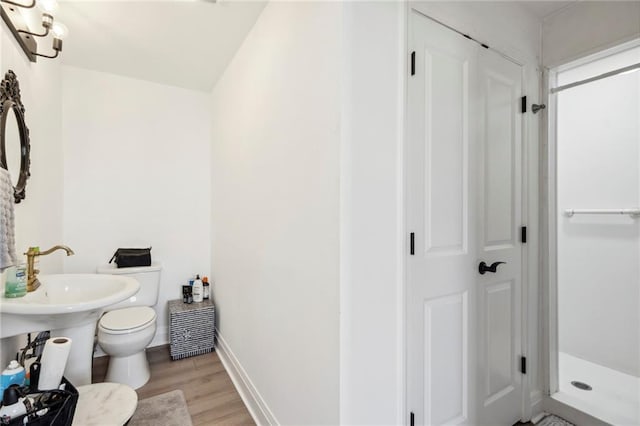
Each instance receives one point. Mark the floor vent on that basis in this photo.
(582, 386)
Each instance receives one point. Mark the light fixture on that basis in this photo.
(12, 16)
(26, 6)
(59, 31)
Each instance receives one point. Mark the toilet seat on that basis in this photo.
(127, 320)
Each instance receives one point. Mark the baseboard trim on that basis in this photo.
(161, 337)
(536, 398)
(256, 405)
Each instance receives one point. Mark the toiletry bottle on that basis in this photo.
(187, 294)
(27, 363)
(205, 288)
(197, 289)
(16, 285)
(13, 375)
(10, 282)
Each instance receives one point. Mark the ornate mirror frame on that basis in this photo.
(10, 102)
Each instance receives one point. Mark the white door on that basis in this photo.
(463, 207)
(499, 240)
(441, 196)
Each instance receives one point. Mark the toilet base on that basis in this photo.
(132, 370)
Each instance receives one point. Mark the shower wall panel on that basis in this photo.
(598, 141)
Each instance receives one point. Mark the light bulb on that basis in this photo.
(59, 30)
(47, 20)
(48, 6)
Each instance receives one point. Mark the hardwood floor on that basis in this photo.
(211, 397)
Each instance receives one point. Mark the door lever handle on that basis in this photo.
(483, 267)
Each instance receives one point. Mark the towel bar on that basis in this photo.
(634, 212)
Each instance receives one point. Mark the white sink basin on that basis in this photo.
(69, 293)
(67, 305)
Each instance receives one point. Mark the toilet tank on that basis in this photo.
(147, 276)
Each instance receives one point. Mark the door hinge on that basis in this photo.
(523, 365)
(524, 104)
(412, 419)
(412, 243)
(523, 234)
(413, 63)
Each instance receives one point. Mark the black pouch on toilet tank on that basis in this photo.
(130, 257)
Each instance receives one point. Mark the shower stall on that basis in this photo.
(594, 234)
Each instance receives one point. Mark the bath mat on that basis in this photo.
(166, 409)
(552, 420)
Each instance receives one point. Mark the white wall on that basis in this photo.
(275, 210)
(586, 27)
(598, 166)
(39, 216)
(136, 174)
(371, 360)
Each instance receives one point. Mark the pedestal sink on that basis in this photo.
(67, 305)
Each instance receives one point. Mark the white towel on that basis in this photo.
(7, 223)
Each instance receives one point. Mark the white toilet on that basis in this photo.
(126, 328)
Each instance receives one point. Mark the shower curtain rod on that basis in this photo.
(597, 77)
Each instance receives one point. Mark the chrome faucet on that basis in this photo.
(32, 273)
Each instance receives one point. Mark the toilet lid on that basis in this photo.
(125, 319)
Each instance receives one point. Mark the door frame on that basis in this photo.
(532, 381)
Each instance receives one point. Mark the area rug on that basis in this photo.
(166, 409)
(552, 420)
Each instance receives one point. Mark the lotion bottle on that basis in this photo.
(197, 289)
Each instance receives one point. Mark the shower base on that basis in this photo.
(614, 398)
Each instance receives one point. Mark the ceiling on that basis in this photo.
(179, 43)
(541, 9)
(184, 43)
